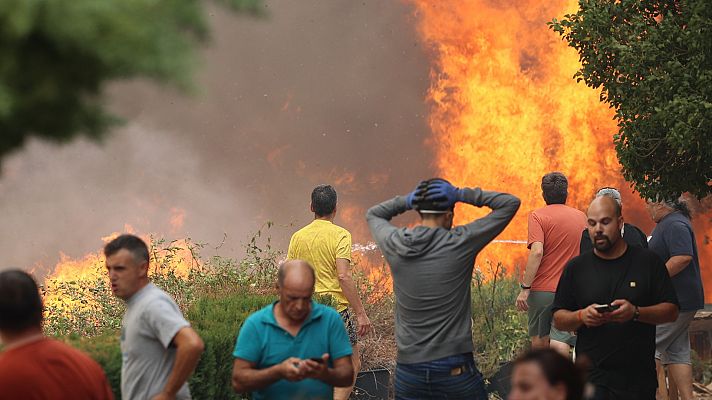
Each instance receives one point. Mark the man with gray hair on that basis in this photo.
(295, 348)
(631, 233)
(673, 239)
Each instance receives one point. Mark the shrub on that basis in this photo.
(216, 319)
(499, 331)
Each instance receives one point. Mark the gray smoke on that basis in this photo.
(316, 92)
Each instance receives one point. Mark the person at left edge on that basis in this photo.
(33, 366)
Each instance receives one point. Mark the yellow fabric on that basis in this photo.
(321, 243)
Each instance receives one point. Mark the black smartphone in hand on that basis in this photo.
(318, 360)
(606, 308)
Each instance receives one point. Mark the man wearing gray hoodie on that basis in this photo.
(431, 265)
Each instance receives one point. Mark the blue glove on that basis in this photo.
(416, 194)
(443, 193)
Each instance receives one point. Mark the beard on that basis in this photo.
(604, 245)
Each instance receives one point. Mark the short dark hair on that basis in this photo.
(132, 243)
(20, 301)
(323, 200)
(554, 188)
(557, 369)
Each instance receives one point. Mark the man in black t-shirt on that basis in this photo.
(631, 233)
(619, 343)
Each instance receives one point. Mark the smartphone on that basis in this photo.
(606, 308)
(318, 360)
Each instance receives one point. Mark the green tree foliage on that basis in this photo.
(652, 60)
(57, 55)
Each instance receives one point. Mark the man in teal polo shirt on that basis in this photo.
(294, 348)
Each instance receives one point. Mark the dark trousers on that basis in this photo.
(604, 393)
(453, 377)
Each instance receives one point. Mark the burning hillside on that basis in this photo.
(505, 111)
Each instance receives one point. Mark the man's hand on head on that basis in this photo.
(416, 195)
(624, 313)
(443, 193)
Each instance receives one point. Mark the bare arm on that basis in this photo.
(247, 378)
(349, 288)
(661, 313)
(189, 347)
(656, 314)
(676, 264)
(536, 252)
(566, 320)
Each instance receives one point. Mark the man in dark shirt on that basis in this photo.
(631, 233)
(620, 342)
(674, 241)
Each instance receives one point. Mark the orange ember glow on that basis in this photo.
(505, 111)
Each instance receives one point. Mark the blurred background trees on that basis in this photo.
(56, 57)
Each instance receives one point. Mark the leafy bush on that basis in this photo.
(217, 319)
(499, 331)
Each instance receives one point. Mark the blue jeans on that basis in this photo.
(453, 377)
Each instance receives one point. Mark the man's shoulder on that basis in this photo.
(260, 316)
(582, 260)
(317, 227)
(156, 297)
(640, 253)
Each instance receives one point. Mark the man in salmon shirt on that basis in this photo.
(32, 366)
(554, 234)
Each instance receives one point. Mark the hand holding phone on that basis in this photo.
(606, 308)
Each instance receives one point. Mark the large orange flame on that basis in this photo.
(71, 285)
(505, 111)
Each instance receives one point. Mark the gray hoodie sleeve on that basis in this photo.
(379, 217)
(504, 206)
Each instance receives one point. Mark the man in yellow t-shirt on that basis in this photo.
(327, 247)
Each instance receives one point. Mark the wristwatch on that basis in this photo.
(524, 287)
(636, 314)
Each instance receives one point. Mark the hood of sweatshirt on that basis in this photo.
(417, 241)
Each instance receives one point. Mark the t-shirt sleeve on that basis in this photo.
(678, 239)
(343, 246)
(535, 232)
(643, 238)
(662, 284)
(565, 298)
(247, 345)
(291, 251)
(585, 244)
(164, 319)
(339, 344)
